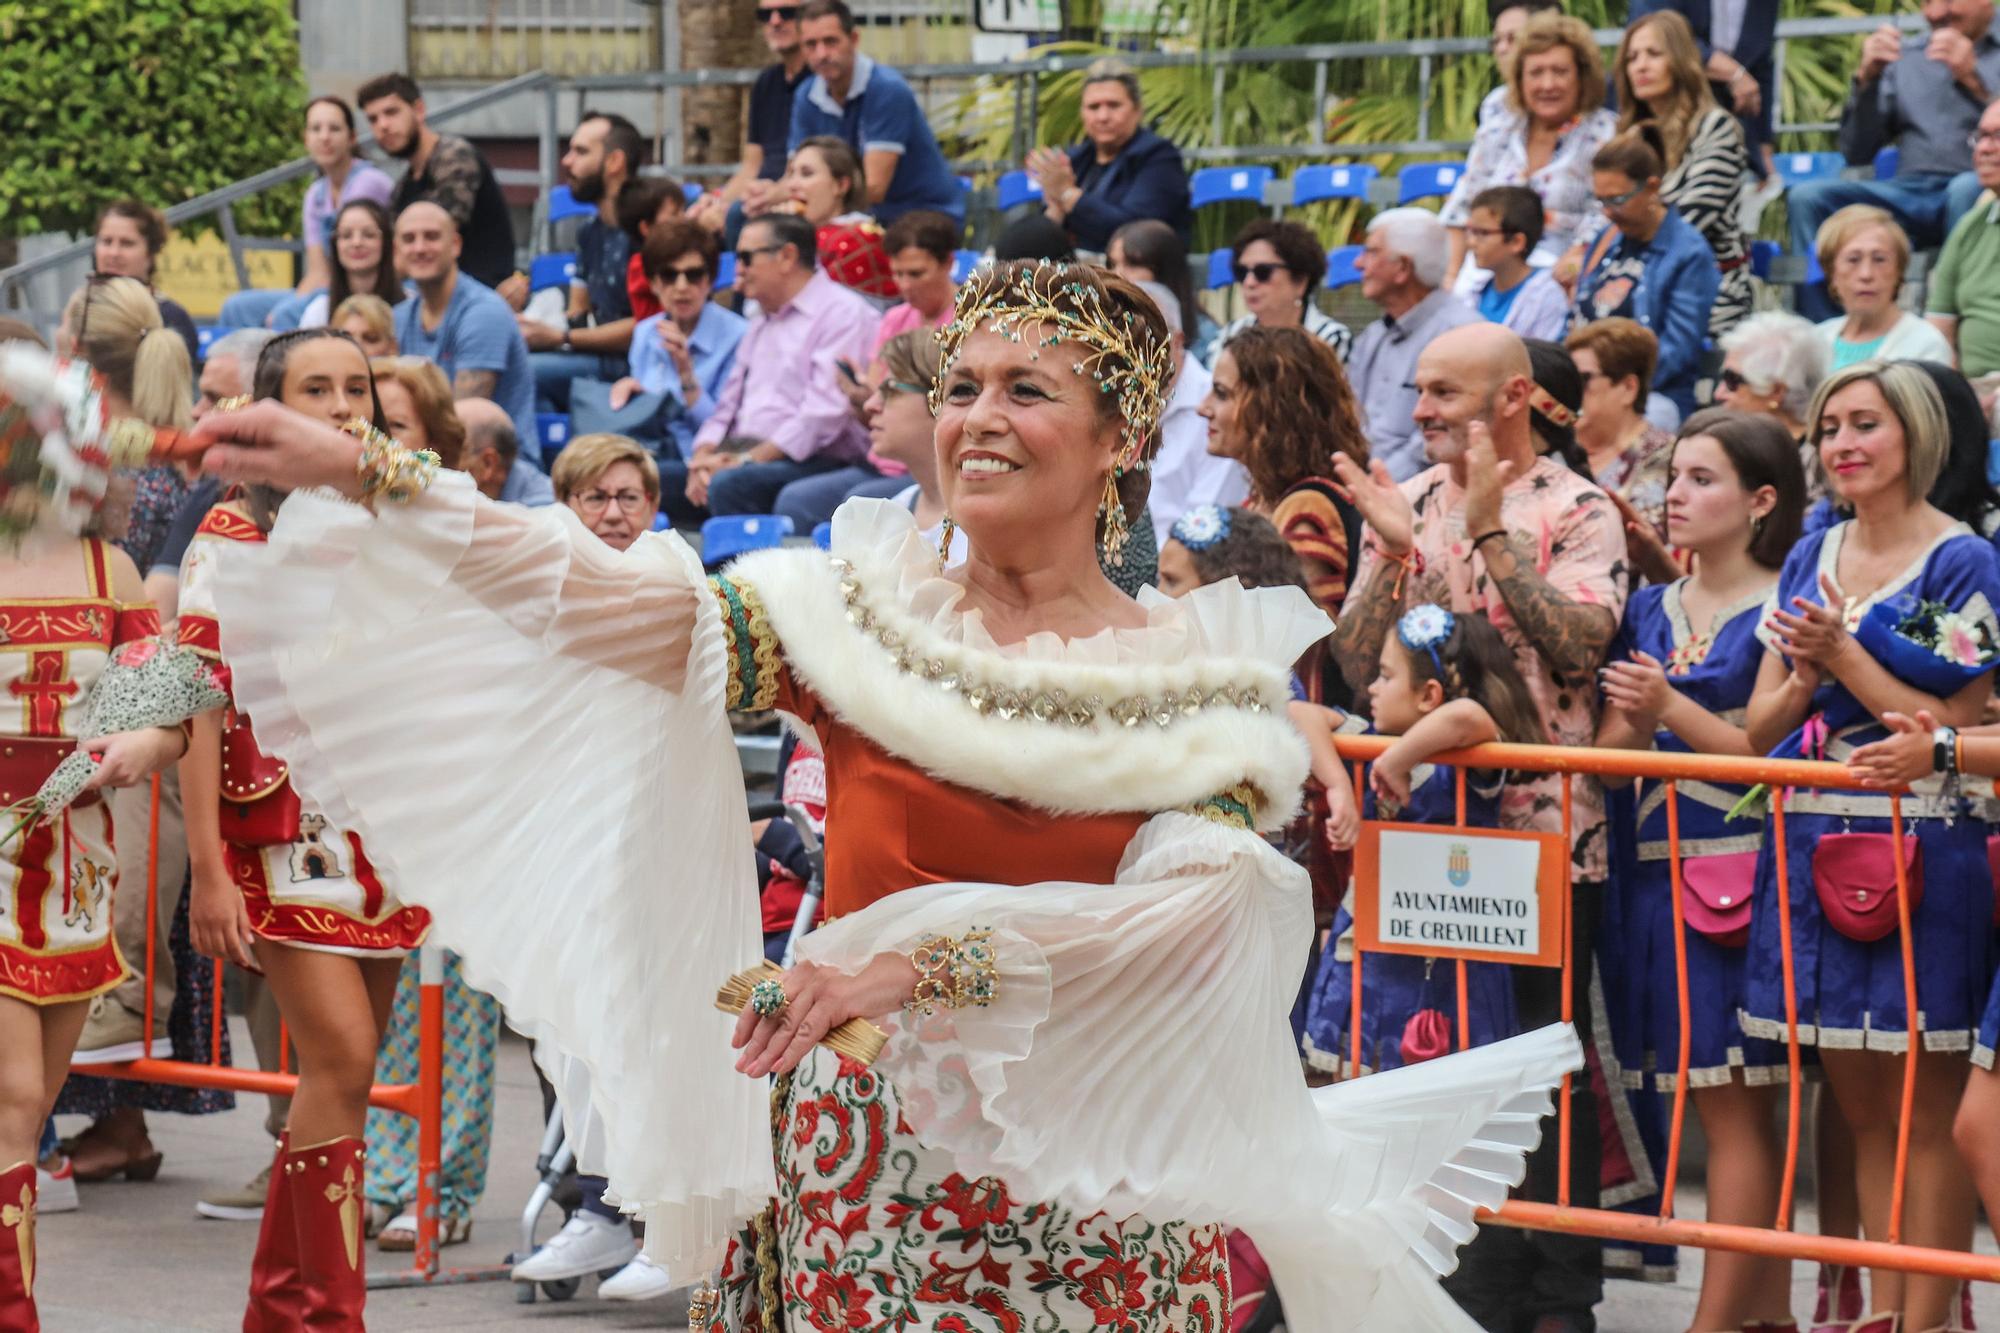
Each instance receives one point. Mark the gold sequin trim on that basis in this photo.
(751, 645)
(948, 668)
(1235, 807)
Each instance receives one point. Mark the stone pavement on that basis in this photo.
(135, 1257)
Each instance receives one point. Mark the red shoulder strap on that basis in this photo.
(97, 567)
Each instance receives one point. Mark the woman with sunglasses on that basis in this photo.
(686, 351)
(1650, 264)
(1279, 266)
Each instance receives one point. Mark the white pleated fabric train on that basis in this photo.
(529, 727)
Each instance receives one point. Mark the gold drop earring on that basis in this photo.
(945, 531)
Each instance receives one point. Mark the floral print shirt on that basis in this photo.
(1499, 156)
(1638, 475)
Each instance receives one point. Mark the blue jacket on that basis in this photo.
(1675, 290)
(1147, 179)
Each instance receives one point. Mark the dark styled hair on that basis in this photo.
(1294, 406)
(1639, 153)
(152, 222)
(1555, 374)
(1519, 211)
(1961, 489)
(339, 288)
(821, 9)
(621, 136)
(1034, 237)
(936, 234)
(1295, 243)
(639, 201)
(670, 240)
(793, 230)
(1763, 454)
(1478, 665)
(339, 104)
(1155, 245)
(388, 85)
(268, 381)
(1253, 552)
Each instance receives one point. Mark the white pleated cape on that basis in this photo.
(527, 731)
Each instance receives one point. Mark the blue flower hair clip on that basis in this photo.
(1424, 629)
(1201, 527)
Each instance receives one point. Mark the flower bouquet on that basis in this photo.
(146, 684)
(1926, 644)
(59, 444)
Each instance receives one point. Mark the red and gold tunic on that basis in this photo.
(305, 881)
(55, 916)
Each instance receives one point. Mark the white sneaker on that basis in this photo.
(640, 1280)
(56, 1190)
(586, 1244)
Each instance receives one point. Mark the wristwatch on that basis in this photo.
(1944, 750)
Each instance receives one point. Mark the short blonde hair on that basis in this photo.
(1913, 397)
(431, 393)
(588, 457)
(1545, 32)
(1838, 232)
(371, 310)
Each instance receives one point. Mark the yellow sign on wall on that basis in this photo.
(197, 272)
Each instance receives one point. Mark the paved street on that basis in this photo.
(135, 1257)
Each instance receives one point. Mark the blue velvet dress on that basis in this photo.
(1395, 986)
(1717, 671)
(1850, 993)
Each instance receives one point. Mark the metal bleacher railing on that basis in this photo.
(1025, 75)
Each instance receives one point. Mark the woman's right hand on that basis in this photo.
(273, 445)
(218, 923)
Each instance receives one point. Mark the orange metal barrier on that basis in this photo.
(1779, 1240)
(424, 1099)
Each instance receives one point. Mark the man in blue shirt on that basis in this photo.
(460, 323)
(492, 457)
(605, 152)
(870, 106)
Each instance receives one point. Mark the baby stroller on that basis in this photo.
(556, 1161)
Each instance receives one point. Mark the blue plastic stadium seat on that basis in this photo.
(823, 536)
(963, 263)
(1340, 269)
(552, 270)
(1339, 180)
(1886, 162)
(965, 184)
(659, 520)
(730, 535)
(553, 427)
(1426, 180)
(1017, 187)
(1215, 185)
(563, 204)
(205, 336)
(1761, 255)
(692, 190)
(725, 270)
(1221, 269)
(1798, 168)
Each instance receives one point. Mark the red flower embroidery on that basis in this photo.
(837, 1301)
(1111, 1290)
(979, 1203)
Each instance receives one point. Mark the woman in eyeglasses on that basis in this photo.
(1279, 266)
(1865, 256)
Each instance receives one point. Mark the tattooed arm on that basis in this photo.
(1570, 636)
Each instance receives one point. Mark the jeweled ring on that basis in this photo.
(768, 999)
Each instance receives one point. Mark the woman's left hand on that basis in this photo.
(1638, 688)
(1814, 631)
(818, 1000)
(1902, 757)
(128, 757)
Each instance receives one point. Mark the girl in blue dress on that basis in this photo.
(1445, 682)
(1680, 677)
(1890, 611)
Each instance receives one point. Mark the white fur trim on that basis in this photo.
(1100, 768)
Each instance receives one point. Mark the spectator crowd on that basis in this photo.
(1654, 510)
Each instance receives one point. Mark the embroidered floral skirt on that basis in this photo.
(875, 1231)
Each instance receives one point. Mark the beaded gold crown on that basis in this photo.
(1050, 305)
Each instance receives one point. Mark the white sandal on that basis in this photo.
(401, 1232)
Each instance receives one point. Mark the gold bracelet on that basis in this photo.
(387, 470)
(953, 974)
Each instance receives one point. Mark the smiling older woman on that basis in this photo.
(1041, 838)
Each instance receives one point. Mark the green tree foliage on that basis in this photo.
(162, 99)
(1368, 101)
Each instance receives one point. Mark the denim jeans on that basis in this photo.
(754, 488)
(1927, 206)
(811, 502)
(554, 371)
